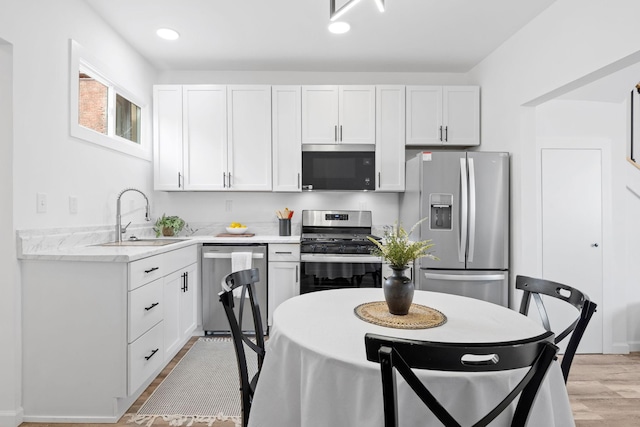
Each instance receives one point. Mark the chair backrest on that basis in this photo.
(245, 279)
(403, 355)
(533, 288)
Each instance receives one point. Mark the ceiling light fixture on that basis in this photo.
(339, 27)
(380, 4)
(335, 14)
(168, 34)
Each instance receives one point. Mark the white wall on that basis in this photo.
(48, 159)
(43, 157)
(10, 355)
(569, 44)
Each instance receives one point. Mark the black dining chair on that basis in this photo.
(244, 340)
(403, 355)
(533, 287)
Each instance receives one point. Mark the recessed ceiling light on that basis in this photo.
(339, 27)
(167, 34)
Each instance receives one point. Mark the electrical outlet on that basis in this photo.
(228, 205)
(41, 203)
(73, 205)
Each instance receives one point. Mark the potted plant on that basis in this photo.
(398, 250)
(168, 225)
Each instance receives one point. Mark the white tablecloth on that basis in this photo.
(316, 374)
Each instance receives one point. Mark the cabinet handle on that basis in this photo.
(179, 176)
(335, 133)
(151, 269)
(229, 179)
(446, 133)
(152, 354)
(298, 179)
(283, 252)
(297, 280)
(379, 180)
(224, 180)
(441, 133)
(340, 132)
(185, 285)
(151, 306)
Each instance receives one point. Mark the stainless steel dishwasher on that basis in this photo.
(216, 264)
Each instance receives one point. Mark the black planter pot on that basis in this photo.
(398, 292)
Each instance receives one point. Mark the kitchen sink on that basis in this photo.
(143, 242)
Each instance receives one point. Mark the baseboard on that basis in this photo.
(634, 346)
(67, 419)
(11, 418)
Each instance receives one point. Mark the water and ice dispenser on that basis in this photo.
(440, 216)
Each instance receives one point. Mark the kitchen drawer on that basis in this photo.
(146, 308)
(145, 357)
(180, 258)
(146, 270)
(284, 252)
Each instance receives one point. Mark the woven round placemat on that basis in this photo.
(419, 316)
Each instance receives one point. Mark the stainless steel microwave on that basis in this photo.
(338, 167)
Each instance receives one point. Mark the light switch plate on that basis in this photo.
(41, 203)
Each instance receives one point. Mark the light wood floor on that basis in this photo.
(604, 391)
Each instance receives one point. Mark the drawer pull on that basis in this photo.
(287, 253)
(152, 353)
(152, 269)
(151, 306)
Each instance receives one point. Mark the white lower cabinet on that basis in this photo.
(284, 275)
(94, 333)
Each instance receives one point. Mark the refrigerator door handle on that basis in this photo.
(465, 277)
(472, 210)
(463, 210)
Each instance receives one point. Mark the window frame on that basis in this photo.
(82, 61)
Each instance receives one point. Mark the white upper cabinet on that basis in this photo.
(212, 138)
(443, 115)
(249, 147)
(204, 137)
(286, 144)
(167, 137)
(338, 114)
(390, 137)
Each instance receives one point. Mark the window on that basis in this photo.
(104, 112)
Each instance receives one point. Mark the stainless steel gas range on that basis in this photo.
(335, 251)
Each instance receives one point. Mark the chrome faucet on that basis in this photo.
(119, 229)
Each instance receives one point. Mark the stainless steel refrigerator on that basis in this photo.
(465, 198)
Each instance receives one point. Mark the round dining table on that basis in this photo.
(316, 373)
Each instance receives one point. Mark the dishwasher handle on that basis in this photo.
(227, 255)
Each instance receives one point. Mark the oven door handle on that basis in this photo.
(227, 255)
(342, 259)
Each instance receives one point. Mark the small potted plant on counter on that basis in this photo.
(398, 250)
(168, 225)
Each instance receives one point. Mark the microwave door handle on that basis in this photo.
(472, 210)
(463, 210)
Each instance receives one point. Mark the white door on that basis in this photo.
(167, 137)
(572, 233)
(319, 114)
(461, 115)
(357, 111)
(424, 115)
(204, 136)
(249, 138)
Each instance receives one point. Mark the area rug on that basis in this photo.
(202, 388)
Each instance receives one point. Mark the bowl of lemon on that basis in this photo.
(237, 228)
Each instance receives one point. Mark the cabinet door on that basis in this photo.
(390, 134)
(249, 126)
(172, 286)
(284, 283)
(204, 136)
(287, 147)
(188, 302)
(320, 114)
(424, 115)
(357, 117)
(167, 137)
(461, 117)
